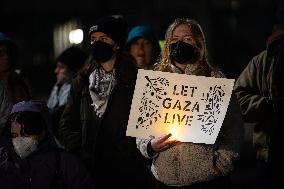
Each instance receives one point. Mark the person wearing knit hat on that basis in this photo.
(108, 37)
(94, 122)
(30, 156)
(67, 65)
(114, 26)
(143, 45)
(73, 57)
(12, 49)
(14, 83)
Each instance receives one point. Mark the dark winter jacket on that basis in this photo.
(102, 142)
(46, 168)
(40, 170)
(260, 93)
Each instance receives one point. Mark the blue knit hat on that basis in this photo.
(31, 106)
(142, 32)
(145, 32)
(12, 48)
(42, 119)
(4, 39)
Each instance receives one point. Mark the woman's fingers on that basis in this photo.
(162, 143)
(163, 138)
(158, 143)
(167, 145)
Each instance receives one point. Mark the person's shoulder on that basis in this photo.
(79, 83)
(259, 58)
(216, 72)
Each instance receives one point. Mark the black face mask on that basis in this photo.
(182, 52)
(102, 51)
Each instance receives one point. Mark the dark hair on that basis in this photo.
(33, 122)
(125, 70)
(198, 35)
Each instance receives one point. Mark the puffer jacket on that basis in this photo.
(190, 163)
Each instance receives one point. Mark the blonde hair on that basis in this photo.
(197, 32)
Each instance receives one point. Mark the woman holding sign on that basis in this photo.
(192, 165)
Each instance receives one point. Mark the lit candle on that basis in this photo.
(174, 132)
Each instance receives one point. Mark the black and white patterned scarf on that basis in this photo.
(101, 85)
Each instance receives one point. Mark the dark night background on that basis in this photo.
(235, 30)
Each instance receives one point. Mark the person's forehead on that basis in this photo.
(141, 39)
(98, 34)
(182, 29)
(61, 65)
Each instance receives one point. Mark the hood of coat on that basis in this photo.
(276, 35)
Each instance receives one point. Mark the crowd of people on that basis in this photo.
(77, 139)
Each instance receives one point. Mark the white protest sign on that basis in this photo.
(190, 107)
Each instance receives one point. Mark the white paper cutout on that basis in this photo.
(190, 107)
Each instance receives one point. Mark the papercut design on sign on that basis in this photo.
(149, 109)
(213, 102)
(155, 87)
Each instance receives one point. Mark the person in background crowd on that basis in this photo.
(5, 107)
(143, 45)
(29, 156)
(261, 95)
(95, 119)
(190, 165)
(68, 64)
(13, 82)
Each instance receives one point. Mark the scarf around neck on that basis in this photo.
(100, 87)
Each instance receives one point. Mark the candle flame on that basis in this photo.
(174, 133)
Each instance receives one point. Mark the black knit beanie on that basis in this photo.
(73, 57)
(115, 26)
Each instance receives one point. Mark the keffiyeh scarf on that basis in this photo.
(100, 87)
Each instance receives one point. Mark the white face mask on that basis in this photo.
(24, 146)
